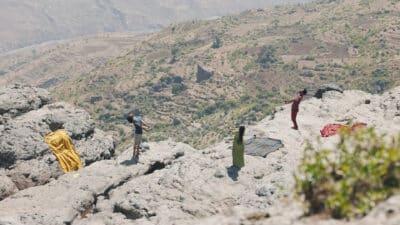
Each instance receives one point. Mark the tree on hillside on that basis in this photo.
(267, 56)
(217, 43)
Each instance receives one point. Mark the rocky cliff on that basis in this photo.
(26, 115)
(172, 183)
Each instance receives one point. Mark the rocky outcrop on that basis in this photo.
(18, 99)
(173, 183)
(202, 74)
(27, 117)
(7, 187)
(327, 87)
(84, 193)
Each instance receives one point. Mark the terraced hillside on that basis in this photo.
(194, 81)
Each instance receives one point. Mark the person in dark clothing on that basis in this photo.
(295, 107)
(139, 125)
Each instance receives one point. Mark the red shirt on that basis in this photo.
(296, 103)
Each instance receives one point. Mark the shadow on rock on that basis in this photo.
(233, 172)
(130, 162)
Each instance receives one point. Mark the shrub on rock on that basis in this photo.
(350, 180)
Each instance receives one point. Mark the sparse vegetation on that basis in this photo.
(178, 88)
(217, 43)
(267, 56)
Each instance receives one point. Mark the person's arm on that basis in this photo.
(145, 126)
(290, 101)
(298, 98)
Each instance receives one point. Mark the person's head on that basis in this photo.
(303, 92)
(241, 133)
(130, 117)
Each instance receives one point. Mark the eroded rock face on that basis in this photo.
(27, 117)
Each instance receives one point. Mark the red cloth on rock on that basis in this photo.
(333, 129)
(330, 129)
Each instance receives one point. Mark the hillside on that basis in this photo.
(50, 64)
(38, 21)
(194, 81)
(173, 183)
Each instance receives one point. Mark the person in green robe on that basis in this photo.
(238, 148)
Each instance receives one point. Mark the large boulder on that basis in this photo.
(327, 87)
(24, 155)
(202, 74)
(18, 99)
(7, 187)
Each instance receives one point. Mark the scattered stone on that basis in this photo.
(259, 175)
(145, 146)
(219, 173)
(265, 191)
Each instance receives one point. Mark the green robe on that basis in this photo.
(238, 152)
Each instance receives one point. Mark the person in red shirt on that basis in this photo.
(295, 107)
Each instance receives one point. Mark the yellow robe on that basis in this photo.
(62, 148)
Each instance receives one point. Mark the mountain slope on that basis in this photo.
(265, 56)
(45, 20)
(195, 81)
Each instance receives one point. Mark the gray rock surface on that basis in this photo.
(18, 99)
(75, 196)
(24, 154)
(173, 183)
(7, 187)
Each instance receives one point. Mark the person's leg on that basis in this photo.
(294, 115)
(138, 141)
(136, 145)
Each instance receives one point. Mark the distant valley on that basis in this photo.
(25, 22)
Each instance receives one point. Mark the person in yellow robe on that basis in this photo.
(238, 148)
(63, 149)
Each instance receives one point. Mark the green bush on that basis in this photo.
(217, 43)
(267, 56)
(178, 88)
(310, 57)
(351, 179)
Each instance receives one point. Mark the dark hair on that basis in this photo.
(130, 117)
(241, 133)
(305, 91)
